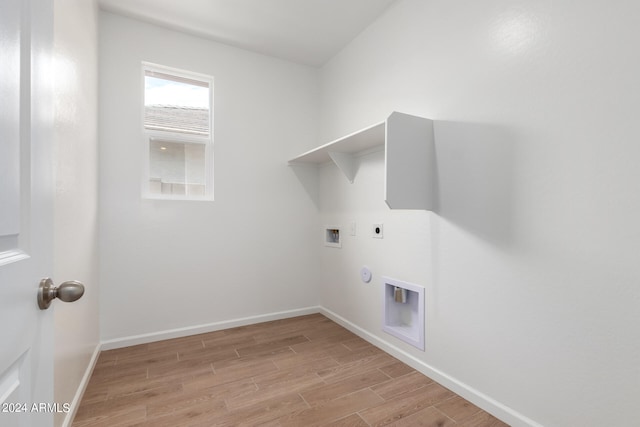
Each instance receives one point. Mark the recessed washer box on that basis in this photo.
(332, 236)
(404, 317)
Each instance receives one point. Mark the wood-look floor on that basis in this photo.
(305, 371)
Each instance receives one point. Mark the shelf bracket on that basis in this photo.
(345, 163)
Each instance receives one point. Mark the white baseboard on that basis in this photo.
(201, 329)
(75, 403)
(481, 400)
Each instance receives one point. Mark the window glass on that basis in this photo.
(177, 124)
(177, 168)
(174, 104)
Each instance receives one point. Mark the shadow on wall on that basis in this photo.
(308, 177)
(474, 179)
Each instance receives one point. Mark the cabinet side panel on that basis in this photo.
(410, 163)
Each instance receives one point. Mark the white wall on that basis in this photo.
(177, 264)
(76, 199)
(530, 261)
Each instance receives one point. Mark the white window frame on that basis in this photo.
(150, 135)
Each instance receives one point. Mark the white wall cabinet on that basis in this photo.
(409, 146)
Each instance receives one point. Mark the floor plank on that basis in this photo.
(303, 371)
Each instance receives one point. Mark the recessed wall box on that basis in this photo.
(332, 237)
(404, 311)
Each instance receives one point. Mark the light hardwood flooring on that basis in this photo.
(304, 371)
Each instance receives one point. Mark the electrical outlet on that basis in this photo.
(377, 231)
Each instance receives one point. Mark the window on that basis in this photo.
(177, 134)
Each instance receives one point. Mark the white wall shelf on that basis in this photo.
(341, 151)
(409, 147)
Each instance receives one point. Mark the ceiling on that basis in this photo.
(304, 31)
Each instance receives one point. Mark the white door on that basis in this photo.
(26, 217)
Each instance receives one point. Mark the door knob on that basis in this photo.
(68, 292)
